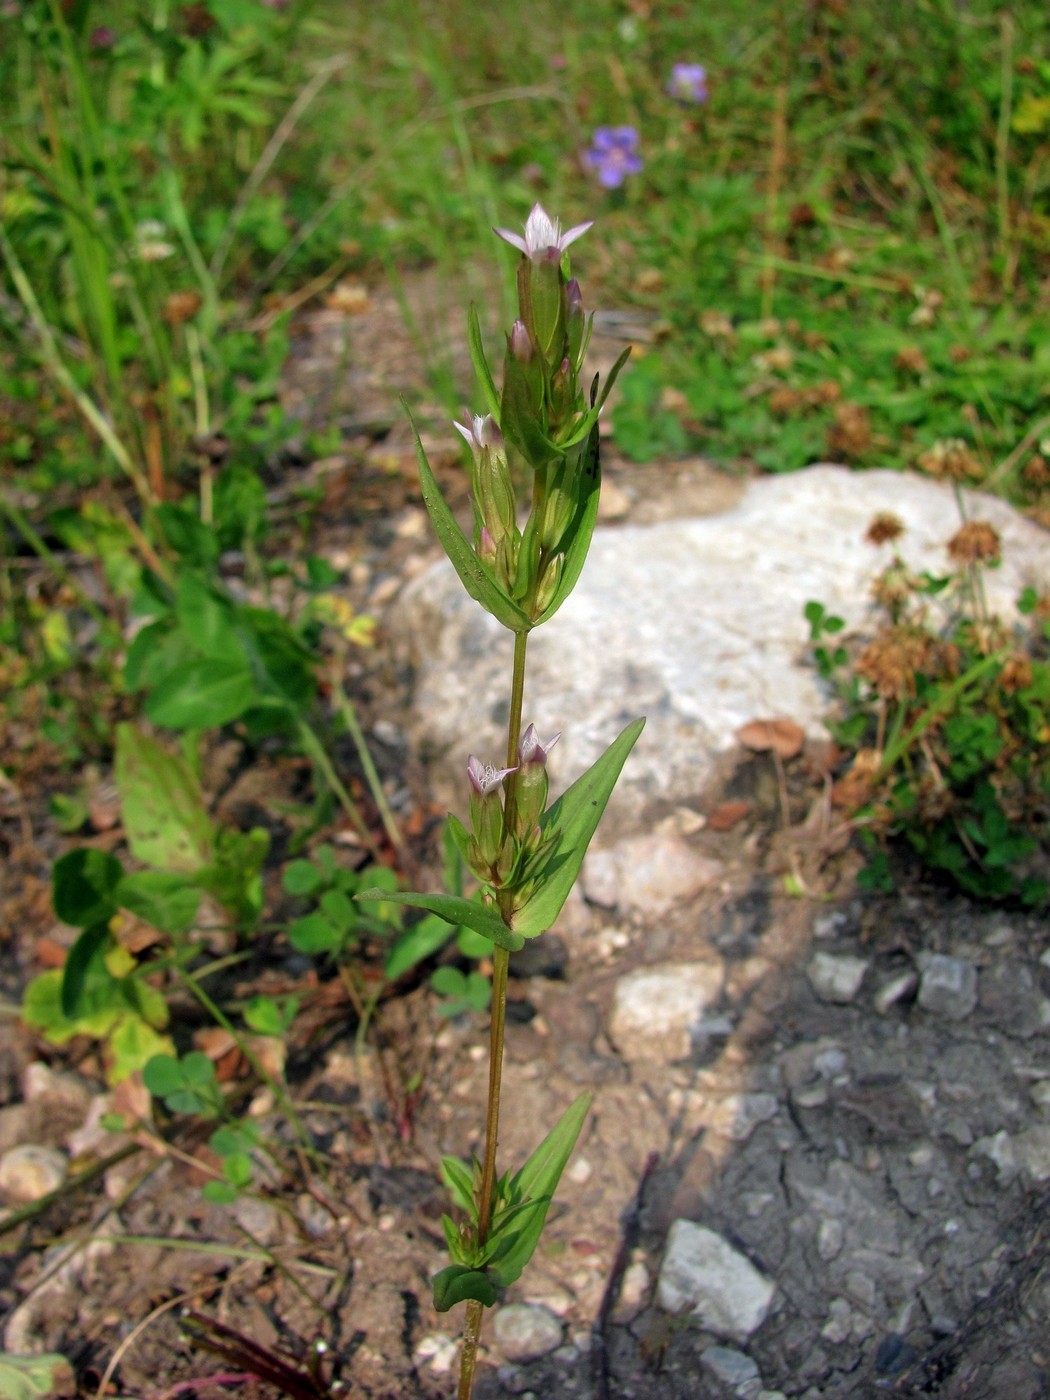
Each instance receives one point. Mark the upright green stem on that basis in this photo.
(497, 1027)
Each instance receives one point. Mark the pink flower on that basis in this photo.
(481, 433)
(532, 749)
(485, 778)
(543, 235)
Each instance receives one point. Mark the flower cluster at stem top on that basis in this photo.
(545, 422)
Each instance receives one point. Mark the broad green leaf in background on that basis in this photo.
(77, 966)
(206, 619)
(164, 899)
(572, 820)
(165, 820)
(417, 944)
(84, 887)
(35, 1377)
(205, 693)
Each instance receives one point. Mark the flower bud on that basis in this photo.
(548, 585)
(521, 342)
(558, 510)
(575, 322)
(494, 492)
(486, 809)
(531, 784)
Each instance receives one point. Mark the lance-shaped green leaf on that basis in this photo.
(480, 363)
(475, 577)
(536, 1183)
(459, 1179)
(571, 821)
(581, 530)
(457, 1283)
(455, 910)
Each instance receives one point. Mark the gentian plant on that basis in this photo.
(520, 563)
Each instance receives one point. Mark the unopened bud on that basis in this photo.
(530, 795)
(521, 342)
(494, 491)
(558, 510)
(486, 548)
(575, 321)
(548, 584)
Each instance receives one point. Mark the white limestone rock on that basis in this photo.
(948, 986)
(658, 1010)
(647, 874)
(695, 623)
(525, 1331)
(836, 977)
(703, 1274)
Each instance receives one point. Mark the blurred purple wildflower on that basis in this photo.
(101, 38)
(614, 155)
(688, 83)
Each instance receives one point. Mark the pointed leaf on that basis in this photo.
(610, 380)
(458, 834)
(537, 1182)
(480, 363)
(457, 1283)
(459, 1180)
(456, 910)
(474, 576)
(571, 821)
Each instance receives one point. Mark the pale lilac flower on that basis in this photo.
(543, 235)
(688, 83)
(485, 778)
(532, 749)
(614, 155)
(481, 433)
